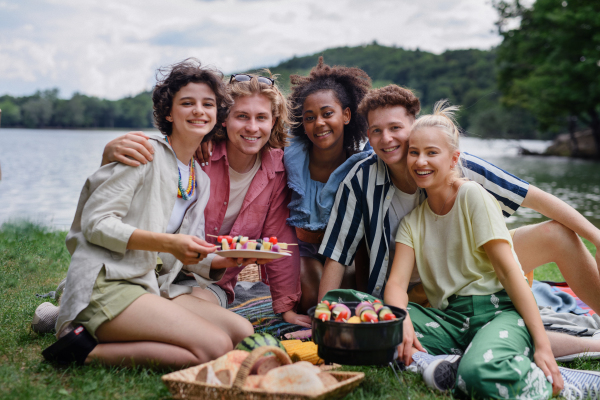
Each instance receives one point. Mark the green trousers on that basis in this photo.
(496, 347)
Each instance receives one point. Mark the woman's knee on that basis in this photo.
(212, 348)
(548, 241)
(557, 235)
(243, 329)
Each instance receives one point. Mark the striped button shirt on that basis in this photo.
(363, 200)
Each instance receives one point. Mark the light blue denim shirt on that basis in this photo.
(312, 200)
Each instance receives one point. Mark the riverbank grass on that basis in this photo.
(34, 260)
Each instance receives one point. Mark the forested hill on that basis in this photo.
(465, 77)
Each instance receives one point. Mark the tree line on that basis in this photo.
(45, 109)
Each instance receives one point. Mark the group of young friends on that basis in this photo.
(377, 198)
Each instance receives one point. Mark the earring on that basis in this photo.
(169, 118)
(346, 122)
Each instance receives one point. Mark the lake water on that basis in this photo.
(43, 172)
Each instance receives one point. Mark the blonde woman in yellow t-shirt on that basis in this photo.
(483, 308)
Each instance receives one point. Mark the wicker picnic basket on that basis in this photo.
(183, 384)
(251, 273)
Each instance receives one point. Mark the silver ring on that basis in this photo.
(239, 264)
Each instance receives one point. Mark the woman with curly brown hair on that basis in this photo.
(112, 310)
(328, 132)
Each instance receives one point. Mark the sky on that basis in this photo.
(112, 48)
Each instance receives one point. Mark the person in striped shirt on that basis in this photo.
(378, 192)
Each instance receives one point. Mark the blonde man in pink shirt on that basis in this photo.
(248, 193)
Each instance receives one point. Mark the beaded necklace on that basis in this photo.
(182, 193)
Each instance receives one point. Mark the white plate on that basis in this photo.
(260, 254)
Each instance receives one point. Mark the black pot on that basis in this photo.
(358, 344)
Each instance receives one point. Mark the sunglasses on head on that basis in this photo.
(246, 78)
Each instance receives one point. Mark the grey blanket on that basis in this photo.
(570, 321)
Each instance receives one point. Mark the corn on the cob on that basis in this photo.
(302, 351)
(291, 344)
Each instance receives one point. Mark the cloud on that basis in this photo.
(111, 48)
(202, 35)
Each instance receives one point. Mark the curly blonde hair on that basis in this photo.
(279, 109)
(443, 118)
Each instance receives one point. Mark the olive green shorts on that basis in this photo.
(109, 299)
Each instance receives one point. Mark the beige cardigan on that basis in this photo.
(115, 201)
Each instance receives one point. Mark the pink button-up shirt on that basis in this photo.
(263, 214)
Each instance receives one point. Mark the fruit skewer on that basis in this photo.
(244, 243)
(289, 244)
(281, 251)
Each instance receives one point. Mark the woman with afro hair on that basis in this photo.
(327, 134)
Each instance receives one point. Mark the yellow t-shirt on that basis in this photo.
(448, 251)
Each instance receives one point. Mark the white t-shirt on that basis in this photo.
(402, 203)
(181, 205)
(238, 187)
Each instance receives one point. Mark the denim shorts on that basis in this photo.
(311, 250)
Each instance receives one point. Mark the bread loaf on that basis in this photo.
(294, 379)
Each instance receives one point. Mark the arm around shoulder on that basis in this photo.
(130, 149)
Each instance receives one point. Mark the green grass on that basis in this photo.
(34, 260)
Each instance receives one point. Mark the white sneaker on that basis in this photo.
(422, 360)
(45, 318)
(580, 384)
(441, 373)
